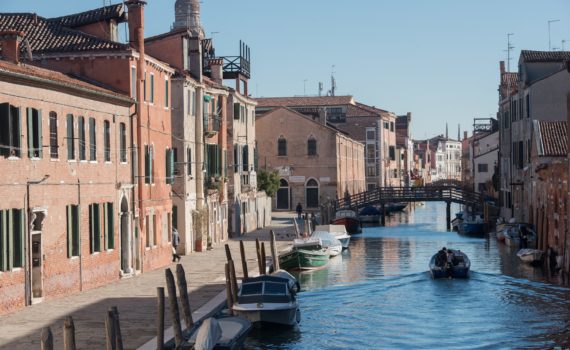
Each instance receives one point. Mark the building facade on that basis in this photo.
(317, 163)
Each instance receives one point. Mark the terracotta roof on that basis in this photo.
(47, 36)
(116, 12)
(552, 137)
(509, 78)
(304, 101)
(371, 108)
(545, 56)
(26, 70)
(357, 111)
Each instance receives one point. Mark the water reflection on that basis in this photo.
(380, 295)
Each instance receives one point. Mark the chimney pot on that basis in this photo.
(216, 64)
(10, 41)
(502, 66)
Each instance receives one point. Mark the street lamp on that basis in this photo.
(549, 43)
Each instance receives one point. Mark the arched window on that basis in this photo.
(312, 193)
(312, 146)
(282, 146)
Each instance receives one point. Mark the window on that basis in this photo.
(151, 88)
(370, 153)
(94, 228)
(236, 159)
(236, 110)
(144, 88)
(312, 193)
(10, 131)
(520, 154)
(34, 132)
(82, 142)
(392, 152)
(174, 216)
(371, 170)
(109, 228)
(169, 166)
(282, 146)
(70, 137)
(386, 125)
(482, 168)
(391, 126)
(213, 160)
(148, 242)
(123, 142)
(53, 148)
(166, 93)
(92, 140)
(189, 160)
(73, 234)
(186, 56)
(134, 83)
(528, 106)
(148, 164)
(241, 113)
(370, 134)
(481, 187)
(395, 173)
(11, 239)
(245, 158)
(194, 106)
(154, 231)
(107, 140)
(312, 146)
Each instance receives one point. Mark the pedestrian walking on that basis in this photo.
(299, 210)
(175, 243)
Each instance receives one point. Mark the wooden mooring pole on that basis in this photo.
(160, 319)
(448, 215)
(118, 335)
(69, 334)
(243, 261)
(47, 339)
(263, 265)
(229, 293)
(110, 333)
(174, 312)
(184, 298)
(258, 251)
(383, 220)
(274, 255)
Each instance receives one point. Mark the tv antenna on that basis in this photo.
(333, 81)
(549, 22)
(509, 49)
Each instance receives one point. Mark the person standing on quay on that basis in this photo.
(175, 243)
(299, 210)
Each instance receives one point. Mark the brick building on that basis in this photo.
(68, 186)
(316, 161)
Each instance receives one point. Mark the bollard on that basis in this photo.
(175, 314)
(160, 319)
(263, 260)
(243, 261)
(69, 334)
(274, 255)
(47, 339)
(184, 299)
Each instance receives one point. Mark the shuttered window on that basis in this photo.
(10, 130)
(73, 232)
(189, 160)
(148, 163)
(109, 228)
(92, 140)
(123, 142)
(53, 146)
(70, 139)
(11, 239)
(245, 158)
(81, 136)
(169, 166)
(94, 228)
(34, 123)
(107, 140)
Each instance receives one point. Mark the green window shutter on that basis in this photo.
(77, 229)
(169, 166)
(174, 216)
(236, 110)
(146, 165)
(166, 93)
(91, 228)
(18, 126)
(21, 232)
(151, 164)
(3, 240)
(40, 135)
(151, 88)
(220, 162)
(30, 129)
(69, 216)
(70, 141)
(97, 225)
(111, 220)
(106, 225)
(5, 136)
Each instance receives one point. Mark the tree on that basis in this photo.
(268, 181)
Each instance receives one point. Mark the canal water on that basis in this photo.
(379, 295)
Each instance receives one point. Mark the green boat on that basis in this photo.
(306, 254)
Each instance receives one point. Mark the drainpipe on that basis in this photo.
(80, 255)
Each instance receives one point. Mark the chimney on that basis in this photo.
(502, 67)
(465, 135)
(216, 65)
(10, 43)
(195, 48)
(136, 23)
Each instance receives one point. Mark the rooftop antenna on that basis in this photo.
(333, 81)
(549, 22)
(212, 34)
(509, 49)
(321, 88)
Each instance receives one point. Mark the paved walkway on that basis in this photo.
(135, 298)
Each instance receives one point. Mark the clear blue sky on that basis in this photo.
(438, 59)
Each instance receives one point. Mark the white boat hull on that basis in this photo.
(275, 313)
(335, 250)
(530, 256)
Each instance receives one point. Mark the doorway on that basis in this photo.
(312, 193)
(283, 195)
(126, 239)
(36, 251)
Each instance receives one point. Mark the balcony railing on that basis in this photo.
(212, 123)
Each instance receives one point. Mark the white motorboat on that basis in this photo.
(268, 299)
(329, 242)
(339, 231)
(530, 256)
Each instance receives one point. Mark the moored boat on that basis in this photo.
(369, 215)
(396, 206)
(268, 299)
(339, 231)
(472, 226)
(530, 256)
(458, 268)
(349, 219)
(329, 242)
(305, 254)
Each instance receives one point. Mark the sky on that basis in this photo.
(438, 59)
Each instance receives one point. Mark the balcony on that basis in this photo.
(233, 66)
(212, 124)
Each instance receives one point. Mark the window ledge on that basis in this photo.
(54, 159)
(124, 163)
(110, 250)
(13, 158)
(93, 162)
(72, 161)
(108, 162)
(95, 253)
(75, 257)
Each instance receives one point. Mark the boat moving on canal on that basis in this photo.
(269, 299)
(305, 254)
(458, 268)
(339, 231)
(349, 219)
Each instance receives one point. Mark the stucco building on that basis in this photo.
(316, 161)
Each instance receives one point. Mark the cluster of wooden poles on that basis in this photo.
(113, 340)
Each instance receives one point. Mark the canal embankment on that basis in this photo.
(136, 298)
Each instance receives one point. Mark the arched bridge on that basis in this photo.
(383, 195)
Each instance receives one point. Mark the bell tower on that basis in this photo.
(187, 15)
